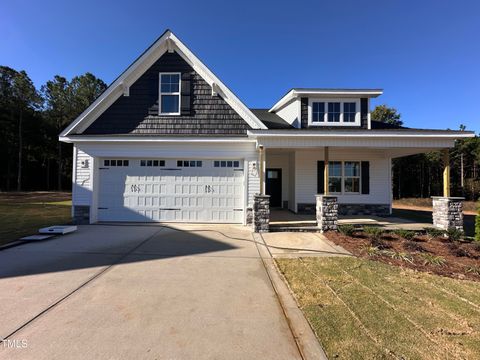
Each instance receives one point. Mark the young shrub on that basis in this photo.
(347, 229)
(429, 259)
(433, 233)
(454, 234)
(473, 270)
(374, 232)
(398, 256)
(406, 234)
(372, 250)
(414, 246)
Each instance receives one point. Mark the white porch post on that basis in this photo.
(325, 171)
(262, 170)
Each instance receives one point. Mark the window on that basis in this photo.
(169, 94)
(344, 177)
(333, 112)
(349, 111)
(335, 176)
(318, 112)
(189, 163)
(112, 162)
(226, 163)
(351, 176)
(152, 162)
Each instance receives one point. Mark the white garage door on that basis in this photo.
(181, 190)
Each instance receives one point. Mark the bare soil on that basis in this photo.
(459, 256)
(469, 207)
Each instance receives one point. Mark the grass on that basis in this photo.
(363, 309)
(22, 214)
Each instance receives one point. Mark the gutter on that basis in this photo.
(358, 134)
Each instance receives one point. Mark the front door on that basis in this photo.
(274, 187)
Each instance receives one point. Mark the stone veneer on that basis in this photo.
(81, 214)
(350, 209)
(447, 212)
(261, 213)
(327, 212)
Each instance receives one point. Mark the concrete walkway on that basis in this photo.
(297, 244)
(141, 292)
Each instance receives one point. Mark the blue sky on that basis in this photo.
(424, 54)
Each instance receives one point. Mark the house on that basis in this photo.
(168, 141)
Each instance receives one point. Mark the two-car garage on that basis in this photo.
(176, 190)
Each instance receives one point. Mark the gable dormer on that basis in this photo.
(326, 108)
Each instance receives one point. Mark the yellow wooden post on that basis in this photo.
(325, 171)
(446, 173)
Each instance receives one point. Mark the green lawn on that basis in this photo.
(364, 309)
(24, 213)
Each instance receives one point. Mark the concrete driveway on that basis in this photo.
(141, 292)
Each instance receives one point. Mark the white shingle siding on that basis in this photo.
(291, 113)
(82, 184)
(306, 175)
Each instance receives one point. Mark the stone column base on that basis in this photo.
(261, 213)
(448, 212)
(327, 212)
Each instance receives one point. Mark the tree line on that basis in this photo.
(421, 175)
(33, 159)
(31, 120)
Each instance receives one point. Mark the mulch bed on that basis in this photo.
(459, 256)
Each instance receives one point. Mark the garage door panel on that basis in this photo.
(189, 194)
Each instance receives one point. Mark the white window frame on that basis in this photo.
(342, 176)
(325, 122)
(178, 93)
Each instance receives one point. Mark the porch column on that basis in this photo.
(446, 173)
(447, 211)
(261, 160)
(325, 171)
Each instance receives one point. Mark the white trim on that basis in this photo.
(176, 93)
(358, 133)
(157, 139)
(74, 177)
(138, 68)
(294, 93)
(369, 115)
(342, 102)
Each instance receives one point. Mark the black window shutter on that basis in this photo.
(365, 177)
(320, 177)
(186, 94)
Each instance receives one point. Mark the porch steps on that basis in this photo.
(283, 228)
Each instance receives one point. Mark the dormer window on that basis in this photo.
(169, 102)
(333, 112)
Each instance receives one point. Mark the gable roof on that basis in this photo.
(120, 86)
(300, 92)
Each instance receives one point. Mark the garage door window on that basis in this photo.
(115, 162)
(152, 162)
(189, 163)
(226, 163)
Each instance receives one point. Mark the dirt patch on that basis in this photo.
(469, 207)
(455, 259)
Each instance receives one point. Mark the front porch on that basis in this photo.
(285, 220)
